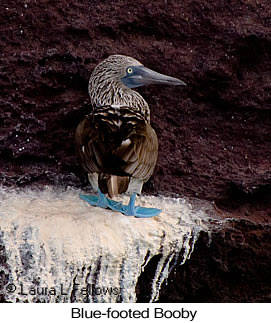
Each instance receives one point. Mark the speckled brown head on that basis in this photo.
(112, 80)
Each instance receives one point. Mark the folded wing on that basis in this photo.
(106, 147)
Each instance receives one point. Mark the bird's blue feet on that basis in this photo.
(129, 210)
(138, 211)
(101, 200)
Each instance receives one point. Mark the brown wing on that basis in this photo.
(84, 137)
(131, 150)
(139, 152)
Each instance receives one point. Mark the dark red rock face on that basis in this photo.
(233, 266)
(214, 135)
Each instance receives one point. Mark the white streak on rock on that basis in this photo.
(55, 240)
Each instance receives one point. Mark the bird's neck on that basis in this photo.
(118, 95)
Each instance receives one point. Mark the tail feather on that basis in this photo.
(112, 184)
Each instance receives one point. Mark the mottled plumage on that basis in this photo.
(121, 144)
(115, 143)
(105, 87)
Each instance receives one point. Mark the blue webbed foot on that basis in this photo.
(138, 211)
(91, 199)
(130, 210)
(141, 212)
(94, 200)
(115, 206)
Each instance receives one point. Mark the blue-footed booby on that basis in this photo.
(115, 143)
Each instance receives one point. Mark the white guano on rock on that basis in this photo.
(60, 249)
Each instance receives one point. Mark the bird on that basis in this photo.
(115, 143)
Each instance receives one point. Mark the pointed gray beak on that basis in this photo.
(142, 75)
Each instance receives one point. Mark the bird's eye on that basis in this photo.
(129, 70)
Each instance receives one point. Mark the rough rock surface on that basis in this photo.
(230, 265)
(214, 135)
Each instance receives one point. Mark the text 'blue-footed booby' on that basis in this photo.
(115, 143)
